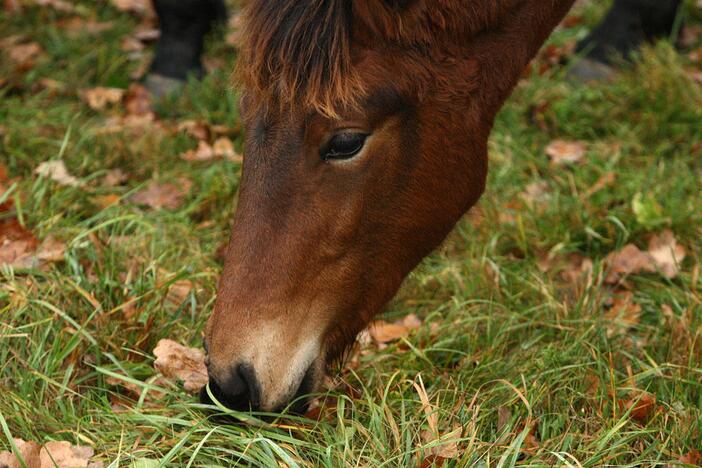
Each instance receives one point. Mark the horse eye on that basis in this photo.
(343, 145)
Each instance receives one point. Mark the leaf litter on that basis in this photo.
(664, 255)
(182, 363)
(53, 454)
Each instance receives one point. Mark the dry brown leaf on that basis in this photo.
(666, 253)
(384, 332)
(77, 25)
(535, 193)
(642, 406)
(695, 75)
(131, 44)
(138, 124)
(29, 452)
(411, 321)
(58, 5)
(176, 361)
(693, 457)
(23, 53)
(115, 177)
(571, 268)
(140, 7)
(137, 100)
(51, 455)
(17, 244)
(162, 195)
(50, 250)
(11, 6)
(446, 444)
(65, 455)
(629, 260)
(623, 314)
(222, 148)
(195, 128)
(204, 152)
(504, 415)
(566, 152)
(179, 291)
(56, 171)
(100, 97)
(234, 35)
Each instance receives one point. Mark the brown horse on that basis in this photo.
(366, 140)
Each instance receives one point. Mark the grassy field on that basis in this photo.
(524, 361)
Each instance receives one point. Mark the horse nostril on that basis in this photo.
(247, 374)
(240, 392)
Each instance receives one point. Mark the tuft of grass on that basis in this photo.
(518, 358)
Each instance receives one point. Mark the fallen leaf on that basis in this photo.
(65, 455)
(29, 452)
(20, 249)
(667, 254)
(234, 36)
(23, 53)
(11, 6)
(50, 250)
(139, 7)
(689, 35)
(535, 193)
(58, 5)
(131, 44)
(411, 321)
(195, 128)
(664, 255)
(693, 457)
(629, 260)
(115, 177)
(179, 291)
(695, 75)
(504, 415)
(56, 171)
(162, 195)
(566, 152)
(222, 148)
(641, 406)
(77, 25)
(384, 332)
(137, 100)
(17, 244)
(176, 361)
(623, 314)
(204, 152)
(100, 97)
(443, 445)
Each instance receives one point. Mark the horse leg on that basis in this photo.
(184, 25)
(627, 25)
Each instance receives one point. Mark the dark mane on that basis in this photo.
(298, 52)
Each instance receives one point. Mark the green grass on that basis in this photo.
(511, 347)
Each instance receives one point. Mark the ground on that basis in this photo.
(527, 353)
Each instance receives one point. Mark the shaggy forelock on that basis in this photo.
(297, 52)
